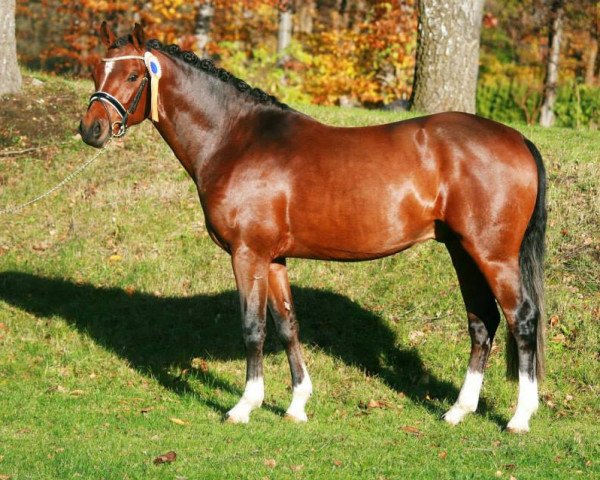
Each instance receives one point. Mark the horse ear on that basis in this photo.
(107, 36)
(138, 35)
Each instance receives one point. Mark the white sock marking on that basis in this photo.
(300, 396)
(526, 405)
(253, 396)
(468, 398)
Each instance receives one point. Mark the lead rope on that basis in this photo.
(65, 180)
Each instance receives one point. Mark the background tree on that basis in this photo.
(204, 19)
(447, 55)
(284, 35)
(555, 34)
(10, 76)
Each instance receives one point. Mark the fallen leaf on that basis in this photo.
(200, 364)
(512, 478)
(496, 443)
(146, 409)
(560, 338)
(168, 457)
(41, 246)
(5, 477)
(115, 258)
(413, 430)
(129, 290)
(337, 463)
(178, 421)
(2, 326)
(270, 462)
(553, 321)
(442, 454)
(415, 335)
(77, 393)
(58, 389)
(377, 404)
(498, 473)
(296, 468)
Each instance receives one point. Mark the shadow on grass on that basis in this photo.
(158, 334)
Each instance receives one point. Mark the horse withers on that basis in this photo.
(274, 183)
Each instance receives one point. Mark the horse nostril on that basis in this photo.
(96, 129)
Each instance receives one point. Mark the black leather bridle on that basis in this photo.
(107, 99)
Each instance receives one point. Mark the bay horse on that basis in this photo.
(274, 183)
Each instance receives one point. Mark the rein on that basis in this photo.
(107, 99)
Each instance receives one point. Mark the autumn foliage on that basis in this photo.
(352, 52)
(367, 58)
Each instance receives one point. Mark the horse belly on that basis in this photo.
(346, 222)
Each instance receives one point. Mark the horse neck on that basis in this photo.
(198, 114)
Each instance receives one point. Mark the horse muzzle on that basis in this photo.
(94, 133)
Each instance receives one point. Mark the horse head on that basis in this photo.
(121, 79)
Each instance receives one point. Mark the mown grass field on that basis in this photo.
(120, 338)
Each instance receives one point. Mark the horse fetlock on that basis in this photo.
(253, 396)
(300, 396)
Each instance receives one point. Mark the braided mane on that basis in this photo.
(207, 66)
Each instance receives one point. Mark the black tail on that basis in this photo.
(531, 264)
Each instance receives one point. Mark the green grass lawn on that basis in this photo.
(120, 338)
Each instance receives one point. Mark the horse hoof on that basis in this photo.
(515, 430)
(518, 425)
(236, 418)
(454, 416)
(296, 418)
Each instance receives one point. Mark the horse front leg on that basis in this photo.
(251, 275)
(284, 316)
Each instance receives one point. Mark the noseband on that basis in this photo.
(107, 99)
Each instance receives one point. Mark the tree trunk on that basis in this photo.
(554, 37)
(590, 65)
(284, 37)
(204, 18)
(447, 55)
(305, 10)
(10, 76)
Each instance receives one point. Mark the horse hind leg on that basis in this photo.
(483, 319)
(516, 288)
(282, 310)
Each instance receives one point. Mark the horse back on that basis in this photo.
(310, 190)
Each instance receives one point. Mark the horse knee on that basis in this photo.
(254, 334)
(478, 331)
(287, 332)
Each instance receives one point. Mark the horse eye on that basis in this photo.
(133, 77)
